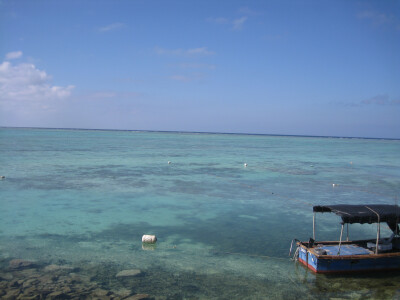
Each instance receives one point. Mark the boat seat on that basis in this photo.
(385, 244)
(382, 247)
(345, 250)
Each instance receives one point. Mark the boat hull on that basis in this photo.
(348, 263)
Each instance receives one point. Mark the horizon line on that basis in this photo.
(200, 132)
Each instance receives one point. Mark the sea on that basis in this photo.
(74, 205)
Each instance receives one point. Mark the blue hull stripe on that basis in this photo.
(350, 264)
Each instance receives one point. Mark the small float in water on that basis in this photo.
(149, 239)
(358, 255)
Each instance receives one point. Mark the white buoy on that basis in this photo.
(333, 184)
(245, 165)
(169, 162)
(149, 239)
(2, 177)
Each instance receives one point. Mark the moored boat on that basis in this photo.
(357, 255)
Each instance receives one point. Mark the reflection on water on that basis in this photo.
(75, 205)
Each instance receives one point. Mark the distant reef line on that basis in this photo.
(202, 132)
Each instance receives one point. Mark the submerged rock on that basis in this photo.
(138, 297)
(11, 294)
(53, 268)
(129, 273)
(14, 283)
(3, 285)
(57, 295)
(77, 278)
(29, 273)
(20, 263)
(100, 292)
(6, 276)
(123, 292)
(28, 283)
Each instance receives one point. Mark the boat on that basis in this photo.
(358, 255)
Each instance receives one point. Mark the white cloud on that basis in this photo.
(111, 27)
(24, 82)
(378, 18)
(184, 52)
(380, 100)
(13, 55)
(238, 23)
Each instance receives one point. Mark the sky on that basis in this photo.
(325, 68)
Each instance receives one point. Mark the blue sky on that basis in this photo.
(274, 67)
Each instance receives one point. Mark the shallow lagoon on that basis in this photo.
(84, 198)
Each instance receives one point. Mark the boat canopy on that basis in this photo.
(370, 213)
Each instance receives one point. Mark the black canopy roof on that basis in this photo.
(364, 213)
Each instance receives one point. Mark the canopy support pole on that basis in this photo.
(377, 236)
(313, 227)
(340, 242)
(378, 230)
(347, 231)
(397, 219)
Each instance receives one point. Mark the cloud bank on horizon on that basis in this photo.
(279, 68)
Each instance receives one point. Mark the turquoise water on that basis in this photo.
(85, 198)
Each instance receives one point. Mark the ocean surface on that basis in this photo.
(80, 201)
